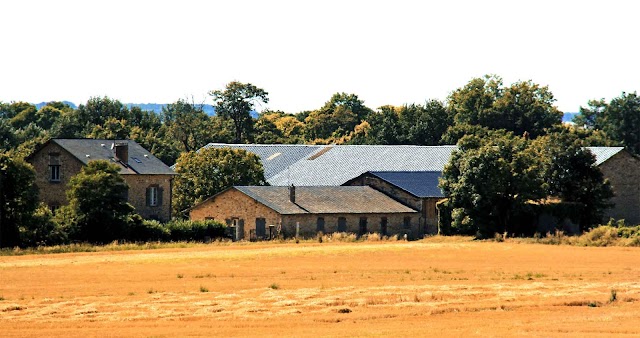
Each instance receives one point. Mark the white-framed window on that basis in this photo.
(153, 196)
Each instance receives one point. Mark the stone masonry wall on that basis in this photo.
(623, 172)
(138, 185)
(232, 204)
(54, 193)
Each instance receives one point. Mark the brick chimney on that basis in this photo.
(122, 152)
(292, 193)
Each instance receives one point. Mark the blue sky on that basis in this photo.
(301, 52)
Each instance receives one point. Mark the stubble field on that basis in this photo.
(434, 287)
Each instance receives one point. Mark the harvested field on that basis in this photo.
(432, 287)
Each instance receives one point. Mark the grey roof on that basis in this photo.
(418, 183)
(339, 164)
(325, 200)
(140, 160)
(275, 157)
(333, 165)
(604, 153)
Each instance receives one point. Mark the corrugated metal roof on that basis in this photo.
(325, 200)
(418, 183)
(275, 157)
(345, 162)
(140, 160)
(604, 153)
(333, 165)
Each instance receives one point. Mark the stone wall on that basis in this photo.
(623, 172)
(54, 193)
(426, 206)
(138, 185)
(233, 204)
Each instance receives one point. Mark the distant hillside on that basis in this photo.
(568, 117)
(69, 103)
(157, 107)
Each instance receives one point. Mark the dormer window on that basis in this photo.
(54, 167)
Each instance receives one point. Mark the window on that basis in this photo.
(54, 167)
(154, 196)
(54, 173)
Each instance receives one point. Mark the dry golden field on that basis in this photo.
(443, 287)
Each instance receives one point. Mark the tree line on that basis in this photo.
(506, 134)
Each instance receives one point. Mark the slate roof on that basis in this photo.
(275, 157)
(140, 160)
(604, 153)
(325, 200)
(340, 164)
(418, 183)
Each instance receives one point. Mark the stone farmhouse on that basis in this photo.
(261, 212)
(149, 180)
(409, 174)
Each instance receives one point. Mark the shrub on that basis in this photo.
(147, 230)
(186, 230)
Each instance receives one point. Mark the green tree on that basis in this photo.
(522, 107)
(337, 118)
(383, 128)
(488, 182)
(236, 103)
(622, 121)
(98, 206)
(424, 124)
(210, 170)
(18, 198)
(571, 174)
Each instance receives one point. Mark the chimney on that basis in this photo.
(122, 152)
(292, 193)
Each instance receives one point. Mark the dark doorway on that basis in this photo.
(320, 225)
(342, 224)
(261, 228)
(362, 229)
(383, 226)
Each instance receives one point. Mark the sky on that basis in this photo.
(302, 52)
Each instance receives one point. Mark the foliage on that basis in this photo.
(570, 173)
(619, 119)
(42, 230)
(187, 230)
(522, 107)
(236, 103)
(18, 198)
(488, 182)
(211, 170)
(98, 209)
(337, 118)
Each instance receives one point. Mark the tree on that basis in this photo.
(383, 128)
(210, 170)
(98, 208)
(570, 173)
(236, 103)
(522, 107)
(622, 121)
(488, 182)
(337, 118)
(424, 124)
(18, 198)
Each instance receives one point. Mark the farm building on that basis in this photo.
(336, 165)
(260, 212)
(149, 180)
(416, 189)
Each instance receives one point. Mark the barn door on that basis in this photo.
(342, 224)
(261, 228)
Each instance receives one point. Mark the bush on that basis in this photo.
(186, 230)
(42, 229)
(147, 230)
